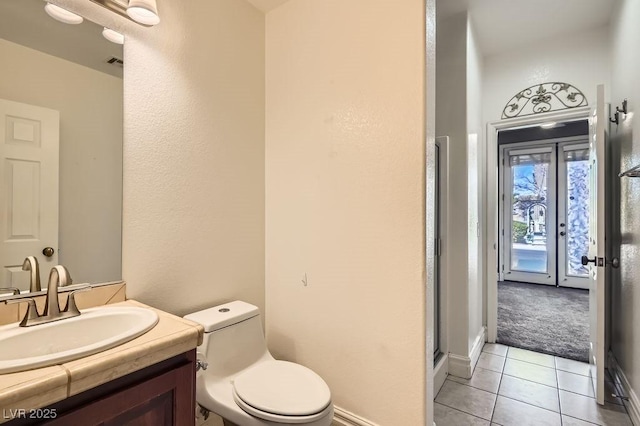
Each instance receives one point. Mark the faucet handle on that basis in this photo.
(71, 299)
(14, 290)
(32, 310)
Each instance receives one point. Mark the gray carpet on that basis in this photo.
(547, 319)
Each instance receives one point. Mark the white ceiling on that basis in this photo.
(25, 22)
(503, 25)
(267, 5)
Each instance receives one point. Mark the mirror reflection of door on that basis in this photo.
(546, 213)
(29, 139)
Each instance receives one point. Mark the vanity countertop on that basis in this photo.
(41, 387)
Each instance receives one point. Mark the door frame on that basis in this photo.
(492, 225)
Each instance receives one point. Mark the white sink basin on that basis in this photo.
(95, 330)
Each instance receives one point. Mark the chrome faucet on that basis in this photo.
(58, 277)
(31, 264)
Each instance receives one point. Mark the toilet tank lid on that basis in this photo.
(221, 316)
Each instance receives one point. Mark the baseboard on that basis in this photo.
(440, 372)
(463, 366)
(478, 344)
(633, 404)
(460, 366)
(342, 417)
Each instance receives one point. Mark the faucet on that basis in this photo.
(31, 264)
(58, 277)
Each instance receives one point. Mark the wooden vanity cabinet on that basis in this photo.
(160, 395)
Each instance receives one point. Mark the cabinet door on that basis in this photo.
(164, 400)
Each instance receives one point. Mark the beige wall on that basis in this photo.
(345, 146)
(90, 106)
(193, 219)
(625, 139)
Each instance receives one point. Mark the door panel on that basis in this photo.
(598, 124)
(530, 211)
(573, 214)
(29, 138)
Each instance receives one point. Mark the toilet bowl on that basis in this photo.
(244, 384)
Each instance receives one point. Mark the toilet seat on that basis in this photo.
(282, 391)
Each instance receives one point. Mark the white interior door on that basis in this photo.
(29, 149)
(596, 258)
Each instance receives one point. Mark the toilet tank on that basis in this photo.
(233, 337)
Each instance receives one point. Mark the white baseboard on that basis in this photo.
(463, 366)
(342, 417)
(440, 372)
(633, 404)
(478, 344)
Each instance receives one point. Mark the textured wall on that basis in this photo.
(625, 57)
(451, 120)
(476, 183)
(580, 59)
(193, 217)
(345, 148)
(194, 157)
(90, 105)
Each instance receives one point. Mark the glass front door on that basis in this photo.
(546, 214)
(529, 217)
(573, 217)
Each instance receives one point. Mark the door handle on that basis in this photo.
(585, 260)
(48, 251)
(615, 262)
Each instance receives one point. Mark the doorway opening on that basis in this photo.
(543, 299)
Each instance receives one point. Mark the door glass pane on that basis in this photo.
(577, 215)
(529, 174)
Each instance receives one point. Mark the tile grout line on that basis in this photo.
(555, 363)
(493, 412)
(462, 411)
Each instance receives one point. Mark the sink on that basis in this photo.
(95, 330)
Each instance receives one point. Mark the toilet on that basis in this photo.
(244, 384)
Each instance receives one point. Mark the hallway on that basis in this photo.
(513, 386)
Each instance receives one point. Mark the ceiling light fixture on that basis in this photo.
(548, 125)
(113, 36)
(62, 15)
(143, 11)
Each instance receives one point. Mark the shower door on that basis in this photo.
(530, 215)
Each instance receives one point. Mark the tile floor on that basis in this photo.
(512, 386)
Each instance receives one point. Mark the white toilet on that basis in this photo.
(244, 384)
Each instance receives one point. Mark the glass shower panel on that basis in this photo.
(529, 206)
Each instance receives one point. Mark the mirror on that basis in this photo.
(61, 147)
